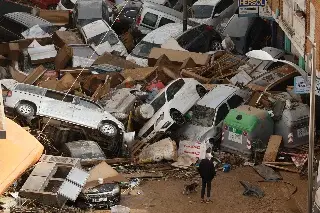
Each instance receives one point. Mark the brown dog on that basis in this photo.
(190, 188)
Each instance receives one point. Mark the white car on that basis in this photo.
(212, 12)
(153, 39)
(66, 4)
(208, 113)
(93, 34)
(30, 101)
(170, 105)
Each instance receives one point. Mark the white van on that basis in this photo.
(154, 39)
(212, 12)
(153, 16)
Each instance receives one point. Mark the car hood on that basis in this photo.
(192, 132)
(200, 21)
(140, 61)
(106, 47)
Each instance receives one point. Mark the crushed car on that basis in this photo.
(102, 37)
(170, 105)
(208, 113)
(29, 101)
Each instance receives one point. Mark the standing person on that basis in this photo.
(207, 172)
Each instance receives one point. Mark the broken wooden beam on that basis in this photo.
(186, 73)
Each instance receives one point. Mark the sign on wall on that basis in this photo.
(301, 88)
(246, 3)
(254, 8)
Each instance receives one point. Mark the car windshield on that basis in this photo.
(202, 11)
(89, 105)
(110, 37)
(202, 116)
(143, 49)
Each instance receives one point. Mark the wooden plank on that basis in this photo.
(186, 73)
(144, 175)
(34, 75)
(272, 149)
(282, 168)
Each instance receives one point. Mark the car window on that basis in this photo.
(165, 21)
(202, 11)
(150, 19)
(88, 104)
(59, 96)
(67, 4)
(12, 26)
(31, 89)
(222, 5)
(235, 101)
(200, 44)
(143, 49)
(174, 88)
(158, 102)
(110, 37)
(188, 36)
(221, 113)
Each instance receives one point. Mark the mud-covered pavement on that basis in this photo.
(159, 196)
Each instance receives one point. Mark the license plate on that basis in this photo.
(302, 132)
(235, 137)
(100, 199)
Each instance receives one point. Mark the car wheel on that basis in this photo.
(216, 45)
(177, 117)
(108, 129)
(25, 109)
(201, 90)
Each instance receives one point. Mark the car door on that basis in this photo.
(57, 105)
(177, 98)
(86, 113)
(221, 113)
(224, 9)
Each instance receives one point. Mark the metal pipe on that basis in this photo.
(311, 131)
(185, 15)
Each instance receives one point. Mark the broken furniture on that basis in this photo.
(251, 190)
(54, 180)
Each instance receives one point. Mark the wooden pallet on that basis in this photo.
(137, 147)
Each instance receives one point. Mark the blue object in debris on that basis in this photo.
(226, 167)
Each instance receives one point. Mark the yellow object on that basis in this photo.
(19, 151)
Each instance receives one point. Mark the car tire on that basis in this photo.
(201, 90)
(26, 109)
(215, 45)
(108, 129)
(177, 117)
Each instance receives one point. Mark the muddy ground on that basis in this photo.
(160, 196)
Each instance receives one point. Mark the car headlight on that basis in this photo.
(116, 190)
(120, 116)
(160, 119)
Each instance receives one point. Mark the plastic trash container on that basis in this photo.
(120, 209)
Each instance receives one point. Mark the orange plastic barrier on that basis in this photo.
(17, 153)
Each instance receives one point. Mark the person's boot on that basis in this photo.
(208, 200)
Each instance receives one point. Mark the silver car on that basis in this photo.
(29, 101)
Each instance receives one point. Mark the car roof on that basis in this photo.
(27, 19)
(238, 26)
(217, 95)
(95, 28)
(88, 9)
(274, 52)
(164, 33)
(163, 9)
(207, 2)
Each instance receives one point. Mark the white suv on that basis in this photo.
(29, 101)
(170, 105)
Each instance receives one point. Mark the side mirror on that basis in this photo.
(76, 100)
(216, 15)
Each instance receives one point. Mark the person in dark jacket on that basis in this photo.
(207, 172)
